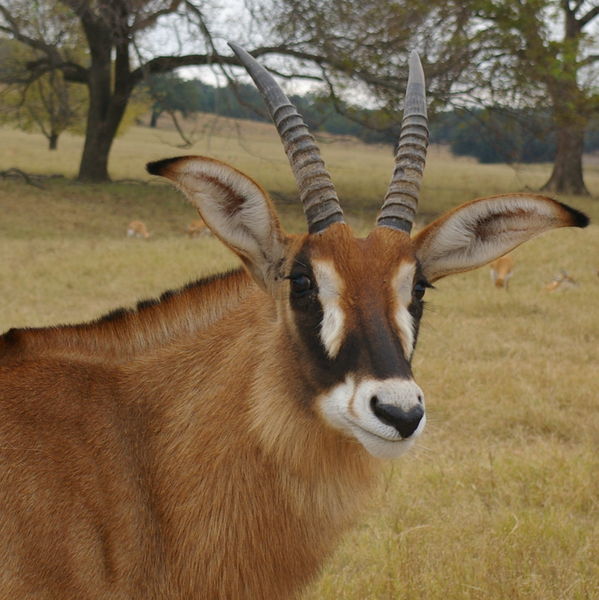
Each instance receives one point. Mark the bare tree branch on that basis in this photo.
(142, 22)
(589, 16)
(15, 31)
(588, 60)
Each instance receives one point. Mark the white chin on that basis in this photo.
(380, 447)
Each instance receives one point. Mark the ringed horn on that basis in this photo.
(317, 192)
(401, 200)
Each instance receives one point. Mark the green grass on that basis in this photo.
(500, 498)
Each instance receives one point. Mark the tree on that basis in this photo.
(48, 104)
(169, 93)
(361, 49)
(117, 56)
(494, 136)
(503, 49)
(506, 53)
(527, 62)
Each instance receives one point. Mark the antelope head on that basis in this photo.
(349, 308)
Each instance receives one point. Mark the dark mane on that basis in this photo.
(125, 332)
(117, 314)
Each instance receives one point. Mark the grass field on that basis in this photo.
(500, 499)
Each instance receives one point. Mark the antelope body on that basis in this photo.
(223, 458)
(501, 271)
(137, 229)
(563, 281)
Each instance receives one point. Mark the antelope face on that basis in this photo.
(354, 307)
(351, 307)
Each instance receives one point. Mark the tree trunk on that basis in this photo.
(106, 110)
(566, 177)
(53, 141)
(154, 117)
(102, 126)
(570, 111)
(98, 141)
(109, 89)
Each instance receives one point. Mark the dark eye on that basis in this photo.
(300, 285)
(419, 289)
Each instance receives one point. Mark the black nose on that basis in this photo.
(405, 421)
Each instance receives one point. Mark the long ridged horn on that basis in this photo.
(317, 192)
(401, 201)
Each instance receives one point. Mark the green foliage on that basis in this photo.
(170, 93)
(44, 102)
(337, 117)
(49, 104)
(493, 135)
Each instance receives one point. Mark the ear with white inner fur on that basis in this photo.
(235, 208)
(482, 230)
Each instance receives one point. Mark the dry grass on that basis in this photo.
(500, 499)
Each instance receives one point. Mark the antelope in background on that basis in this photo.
(562, 282)
(502, 270)
(197, 228)
(225, 457)
(137, 229)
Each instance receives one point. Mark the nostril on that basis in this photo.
(420, 399)
(373, 403)
(404, 421)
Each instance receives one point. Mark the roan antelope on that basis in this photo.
(137, 229)
(502, 270)
(224, 457)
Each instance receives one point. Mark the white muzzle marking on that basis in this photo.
(347, 408)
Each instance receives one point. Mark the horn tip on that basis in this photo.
(415, 99)
(416, 72)
(237, 49)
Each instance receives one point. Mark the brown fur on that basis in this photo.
(501, 271)
(196, 461)
(123, 334)
(563, 281)
(131, 466)
(138, 229)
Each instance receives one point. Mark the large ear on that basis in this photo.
(482, 230)
(235, 208)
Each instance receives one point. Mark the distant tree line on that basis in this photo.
(494, 135)
(170, 94)
(531, 56)
(488, 134)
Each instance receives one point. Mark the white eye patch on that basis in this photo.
(330, 288)
(402, 284)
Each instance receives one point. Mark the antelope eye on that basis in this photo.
(300, 285)
(419, 289)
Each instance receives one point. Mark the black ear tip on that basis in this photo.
(579, 219)
(158, 167)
